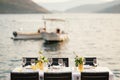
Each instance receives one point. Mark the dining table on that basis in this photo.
(76, 74)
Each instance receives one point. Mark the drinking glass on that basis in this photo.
(24, 62)
(60, 62)
(84, 61)
(32, 62)
(50, 61)
(95, 62)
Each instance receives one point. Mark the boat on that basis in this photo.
(27, 35)
(57, 36)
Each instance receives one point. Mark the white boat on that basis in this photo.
(57, 36)
(25, 36)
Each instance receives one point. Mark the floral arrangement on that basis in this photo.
(41, 61)
(78, 60)
(42, 58)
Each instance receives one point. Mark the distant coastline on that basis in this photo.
(20, 7)
(109, 7)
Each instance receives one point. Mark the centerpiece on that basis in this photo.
(79, 62)
(41, 61)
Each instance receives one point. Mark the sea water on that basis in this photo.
(89, 35)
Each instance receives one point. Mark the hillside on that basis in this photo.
(109, 7)
(113, 9)
(20, 6)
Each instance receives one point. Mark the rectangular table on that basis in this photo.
(76, 74)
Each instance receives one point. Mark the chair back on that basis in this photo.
(24, 76)
(89, 60)
(94, 75)
(58, 76)
(65, 60)
(28, 60)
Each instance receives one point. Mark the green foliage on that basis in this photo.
(42, 58)
(78, 60)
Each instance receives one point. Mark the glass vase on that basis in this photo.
(80, 67)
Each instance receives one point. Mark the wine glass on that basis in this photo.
(95, 62)
(32, 62)
(60, 62)
(24, 62)
(84, 61)
(50, 61)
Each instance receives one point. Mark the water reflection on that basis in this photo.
(53, 46)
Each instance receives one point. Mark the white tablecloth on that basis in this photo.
(75, 72)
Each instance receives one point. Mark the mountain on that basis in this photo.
(20, 6)
(109, 7)
(112, 9)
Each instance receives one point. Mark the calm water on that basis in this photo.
(89, 35)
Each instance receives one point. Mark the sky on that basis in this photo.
(62, 5)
